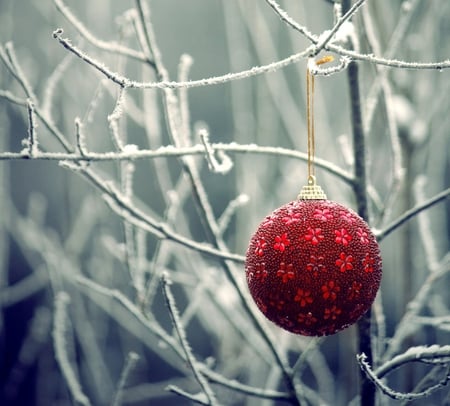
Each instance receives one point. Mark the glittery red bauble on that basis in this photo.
(313, 267)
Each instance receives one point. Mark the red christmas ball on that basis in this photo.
(313, 267)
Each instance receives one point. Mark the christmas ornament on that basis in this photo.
(313, 266)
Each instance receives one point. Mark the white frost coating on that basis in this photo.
(130, 148)
(346, 31)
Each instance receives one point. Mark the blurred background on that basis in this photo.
(55, 224)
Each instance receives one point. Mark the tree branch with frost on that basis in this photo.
(122, 206)
(80, 137)
(114, 117)
(31, 142)
(132, 153)
(225, 219)
(109, 46)
(329, 46)
(62, 300)
(202, 202)
(7, 55)
(130, 363)
(322, 41)
(405, 327)
(257, 70)
(176, 321)
(214, 165)
(413, 354)
(435, 353)
(411, 213)
(9, 58)
(117, 296)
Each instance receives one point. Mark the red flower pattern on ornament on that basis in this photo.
(330, 290)
(332, 313)
(303, 297)
(276, 302)
(322, 214)
(314, 235)
(362, 235)
(281, 242)
(291, 218)
(342, 237)
(286, 272)
(368, 263)
(268, 221)
(355, 290)
(344, 262)
(306, 319)
(315, 265)
(260, 245)
(347, 216)
(260, 271)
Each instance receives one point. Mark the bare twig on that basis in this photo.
(258, 70)
(130, 362)
(198, 149)
(175, 316)
(365, 367)
(109, 46)
(59, 331)
(411, 213)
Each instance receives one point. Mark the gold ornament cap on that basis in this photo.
(312, 191)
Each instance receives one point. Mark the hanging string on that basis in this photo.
(310, 115)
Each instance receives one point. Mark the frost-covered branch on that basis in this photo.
(411, 213)
(130, 362)
(175, 316)
(257, 70)
(132, 153)
(417, 354)
(109, 46)
(59, 331)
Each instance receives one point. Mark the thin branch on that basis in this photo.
(257, 70)
(405, 327)
(290, 21)
(425, 227)
(7, 95)
(411, 213)
(206, 212)
(175, 316)
(213, 164)
(10, 60)
(80, 137)
(52, 82)
(150, 325)
(199, 398)
(8, 56)
(245, 389)
(32, 142)
(114, 117)
(59, 331)
(415, 354)
(329, 34)
(130, 362)
(230, 210)
(109, 46)
(171, 151)
(365, 367)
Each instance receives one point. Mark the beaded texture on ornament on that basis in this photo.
(313, 267)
